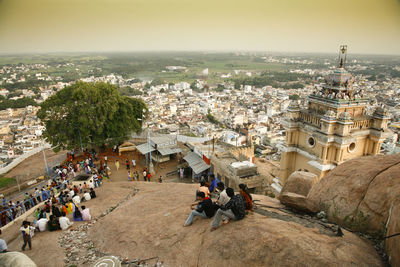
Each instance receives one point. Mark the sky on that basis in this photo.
(366, 26)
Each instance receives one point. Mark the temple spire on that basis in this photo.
(342, 55)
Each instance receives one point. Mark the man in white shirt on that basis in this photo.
(71, 194)
(85, 214)
(86, 196)
(76, 199)
(42, 224)
(223, 198)
(64, 222)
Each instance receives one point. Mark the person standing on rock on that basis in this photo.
(181, 172)
(144, 175)
(127, 162)
(117, 164)
(26, 235)
(133, 163)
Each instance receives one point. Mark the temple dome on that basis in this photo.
(340, 77)
(345, 116)
(330, 114)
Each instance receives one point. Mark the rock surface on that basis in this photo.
(300, 182)
(15, 259)
(359, 192)
(392, 244)
(298, 202)
(150, 224)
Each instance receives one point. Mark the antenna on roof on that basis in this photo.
(342, 55)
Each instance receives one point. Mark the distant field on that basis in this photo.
(4, 181)
(148, 66)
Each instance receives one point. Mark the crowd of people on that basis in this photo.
(59, 197)
(53, 215)
(226, 205)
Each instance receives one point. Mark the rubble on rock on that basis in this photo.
(80, 250)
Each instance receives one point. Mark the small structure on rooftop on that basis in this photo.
(162, 148)
(126, 146)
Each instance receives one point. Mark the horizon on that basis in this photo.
(276, 52)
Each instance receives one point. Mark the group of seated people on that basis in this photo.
(227, 206)
(77, 195)
(53, 216)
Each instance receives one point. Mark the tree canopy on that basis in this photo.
(19, 103)
(91, 113)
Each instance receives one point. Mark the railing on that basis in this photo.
(361, 124)
(311, 119)
(9, 214)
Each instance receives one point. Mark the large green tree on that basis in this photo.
(92, 114)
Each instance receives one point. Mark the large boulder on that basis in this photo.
(294, 192)
(151, 225)
(15, 259)
(300, 182)
(360, 192)
(392, 244)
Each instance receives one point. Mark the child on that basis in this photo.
(26, 235)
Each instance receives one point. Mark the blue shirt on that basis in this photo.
(213, 184)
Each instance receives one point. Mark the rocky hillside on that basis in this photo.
(361, 194)
(150, 224)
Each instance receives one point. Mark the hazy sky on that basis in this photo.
(366, 26)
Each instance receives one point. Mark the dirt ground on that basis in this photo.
(34, 166)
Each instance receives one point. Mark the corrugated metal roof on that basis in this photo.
(144, 148)
(196, 163)
(169, 150)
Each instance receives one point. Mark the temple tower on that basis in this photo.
(333, 128)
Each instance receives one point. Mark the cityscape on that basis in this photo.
(169, 133)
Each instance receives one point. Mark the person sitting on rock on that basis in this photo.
(203, 209)
(56, 211)
(77, 215)
(64, 222)
(86, 214)
(53, 224)
(203, 188)
(244, 192)
(223, 197)
(234, 209)
(92, 193)
(214, 183)
(76, 199)
(86, 196)
(41, 224)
